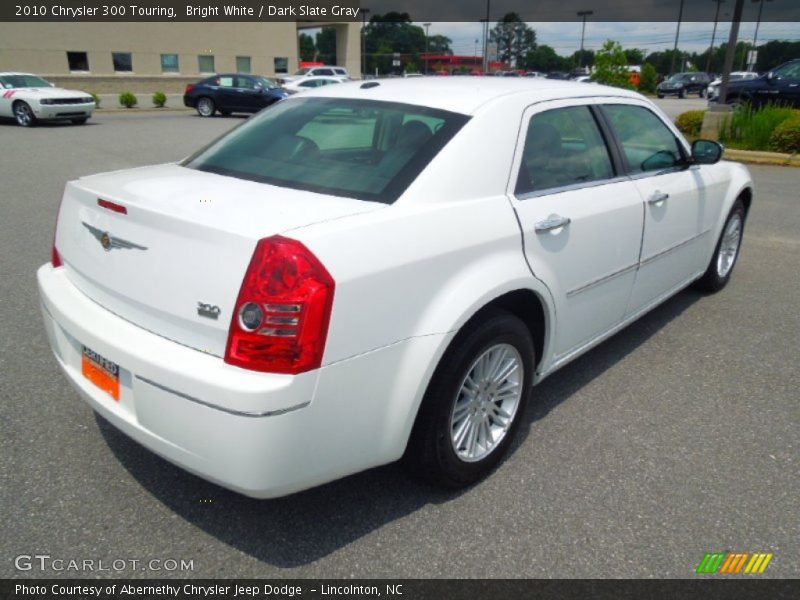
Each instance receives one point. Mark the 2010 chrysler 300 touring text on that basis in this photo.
(378, 270)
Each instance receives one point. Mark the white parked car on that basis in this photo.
(712, 91)
(28, 98)
(304, 84)
(319, 71)
(375, 270)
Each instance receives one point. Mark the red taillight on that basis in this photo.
(189, 88)
(117, 208)
(280, 321)
(55, 257)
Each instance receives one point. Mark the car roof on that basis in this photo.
(19, 73)
(465, 94)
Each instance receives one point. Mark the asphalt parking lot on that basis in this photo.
(677, 437)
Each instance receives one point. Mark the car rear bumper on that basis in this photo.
(260, 434)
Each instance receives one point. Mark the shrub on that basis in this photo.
(786, 136)
(690, 122)
(750, 129)
(648, 79)
(159, 99)
(128, 99)
(96, 99)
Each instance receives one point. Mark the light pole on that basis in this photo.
(677, 34)
(751, 65)
(713, 36)
(364, 12)
(486, 40)
(583, 14)
(729, 52)
(483, 46)
(426, 25)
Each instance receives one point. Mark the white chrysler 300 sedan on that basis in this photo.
(378, 270)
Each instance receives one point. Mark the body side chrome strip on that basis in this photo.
(672, 248)
(602, 279)
(238, 413)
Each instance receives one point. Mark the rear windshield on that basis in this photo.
(343, 147)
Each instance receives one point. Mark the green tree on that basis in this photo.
(634, 56)
(611, 66)
(648, 79)
(514, 39)
(586, 59)
(439, 44)
(326, 45)
(392, 33)
(308, 51)
(544, 58)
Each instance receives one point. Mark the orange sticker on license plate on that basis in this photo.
(101, 372)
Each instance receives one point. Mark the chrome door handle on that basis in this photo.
(551, 222)
(657, 197)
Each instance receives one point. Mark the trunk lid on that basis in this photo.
(185, 241)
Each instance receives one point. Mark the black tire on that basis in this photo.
(205, 106)
(81, 121)
(431, 453)
(702, 93)
(715, 278)
(682, 94)
(23, 114)
(660, 95)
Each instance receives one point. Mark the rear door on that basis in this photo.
(581, 220)
(674, 197)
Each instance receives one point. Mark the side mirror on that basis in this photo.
(706, 152)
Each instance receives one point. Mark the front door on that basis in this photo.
(674, 199)
(581, 220)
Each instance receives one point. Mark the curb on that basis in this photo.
(148, 109)
(762, 158)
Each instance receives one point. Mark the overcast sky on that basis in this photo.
(565, 37)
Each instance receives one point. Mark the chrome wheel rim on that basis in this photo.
(729, 246)
(205, 107)
(486, 402)
(23, 114)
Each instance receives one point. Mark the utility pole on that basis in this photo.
(730, 51)
(426, 25)
(751, 65)
(583, 14)
(486, 40)
(364, 12)
(677, 34)
(713, 36)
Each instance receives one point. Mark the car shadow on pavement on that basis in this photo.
(302, 528)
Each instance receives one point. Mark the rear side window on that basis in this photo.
(343, 147)
(563, 147)
(647, 143)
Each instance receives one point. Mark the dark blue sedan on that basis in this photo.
(230, 93)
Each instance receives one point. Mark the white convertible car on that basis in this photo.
(28, 98)
(378, 270)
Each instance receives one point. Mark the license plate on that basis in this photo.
(101, 372)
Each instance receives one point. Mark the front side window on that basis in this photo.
(563, 147)
(647, 143)
(123, 61)
(78, 61)
(790, 71)
(343, 147)
(205, 63)
(169, 63)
